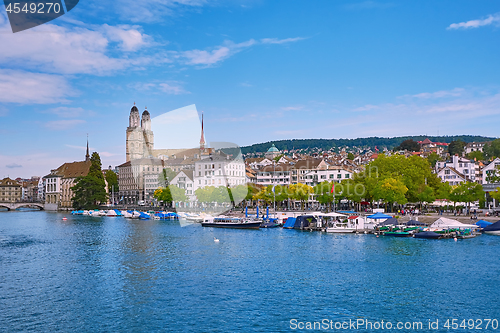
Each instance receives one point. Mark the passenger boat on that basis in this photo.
(231, 222)
(340, 227)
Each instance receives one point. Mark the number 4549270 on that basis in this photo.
(471, 324)
(38, 8)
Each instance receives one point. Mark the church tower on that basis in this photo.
(147, 133)
(135, 139)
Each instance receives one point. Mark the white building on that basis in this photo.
(275, 174)
(219, 170)
(468, 168)
(474, 146)
(488, 170)
(451, 175)
(184, 180)
(333, 173)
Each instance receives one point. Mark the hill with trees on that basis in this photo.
(371, 142)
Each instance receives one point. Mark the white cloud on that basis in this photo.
(66, 112)
(280, 41)
(439, 94)
(57, 49)
(491, 19)
(32, 88)
(62, 125)
(217, 54)
(169, 87)
(367, 107)
(129, 37)
(172, 89)
(292, 108)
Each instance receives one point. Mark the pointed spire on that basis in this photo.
(202, 140)
(87, 156)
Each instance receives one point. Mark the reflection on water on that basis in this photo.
(112, 274)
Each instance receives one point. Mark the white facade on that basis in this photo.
(184, 180)
(278, 174)
(333, 173)
(218, 170)
(451, 175)
(487, 170)
(468, 168)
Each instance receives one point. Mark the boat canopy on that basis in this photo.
(415, 222)
(483, 223)
(391, 221)
(290, 222)
(304, 221)
(494, 227)
(347, 212)
(445, 223)
(378, 216)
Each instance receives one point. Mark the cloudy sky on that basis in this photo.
(259, 70)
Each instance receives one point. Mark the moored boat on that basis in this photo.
(493, 229)
(231, 222)
(428, 235)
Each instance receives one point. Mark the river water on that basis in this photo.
(111, 274)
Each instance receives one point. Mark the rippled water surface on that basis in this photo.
(116, 275)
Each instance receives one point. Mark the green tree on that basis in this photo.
(95, 166)
(323, 193)
(204, 194)
(456, 147)
(493, 176)
(433, 158)
(409, 145)
(112, 180)
(300, 192)
(350, 156)
(496, 195)
(170, 193)
(391, 191)
(467, 192)
(165, 177)
(90, 190)
(476, 155)
(492, 149)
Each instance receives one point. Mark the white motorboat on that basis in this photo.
(340, 227)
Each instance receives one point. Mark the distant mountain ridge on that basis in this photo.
(371, 142)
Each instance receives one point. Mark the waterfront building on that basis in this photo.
(41, 190)
(219, 169)
(304, 167)
(30, 189)
(10, 190)
(332, 173)
(185, 180)
(58, 183)
(134, 175)
(274, 174)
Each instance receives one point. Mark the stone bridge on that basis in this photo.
(17, 205)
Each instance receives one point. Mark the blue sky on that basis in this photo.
(259, 70)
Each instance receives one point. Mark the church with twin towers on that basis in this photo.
(138, 177)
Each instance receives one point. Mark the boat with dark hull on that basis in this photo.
(231, 222)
